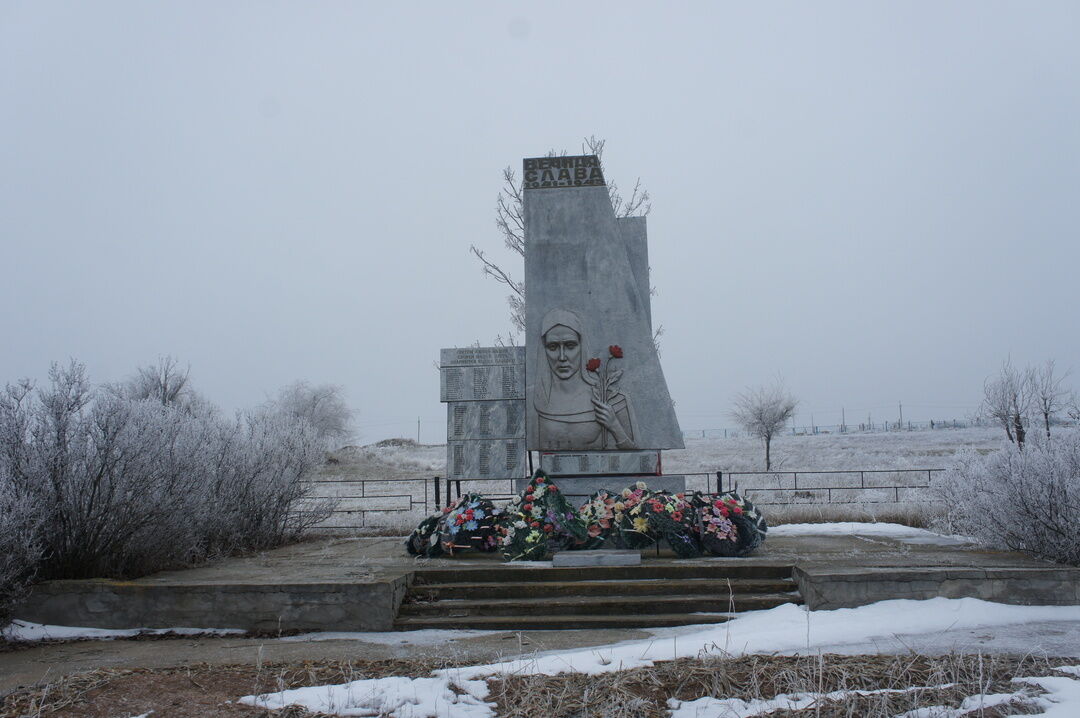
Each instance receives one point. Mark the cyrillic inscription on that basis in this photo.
(550, 172)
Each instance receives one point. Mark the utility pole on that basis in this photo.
(901, 415)
(418, 430)
(843, 421)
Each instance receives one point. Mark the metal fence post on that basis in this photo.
(438, 502)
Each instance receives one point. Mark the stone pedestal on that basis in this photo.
(602, 557)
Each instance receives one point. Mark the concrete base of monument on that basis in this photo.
(579, 488)
(600, 557)
(371, 584)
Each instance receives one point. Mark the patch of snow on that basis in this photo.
(709, 707)
(27, 631)
(907, 534)
(972, 705)
(422, 637)
(394, 696)
(1062, 698)
(786, 627)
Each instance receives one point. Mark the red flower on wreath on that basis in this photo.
(548, 527)
(677, 515)
(529, 489)
(527, 507)
(615, 350)
(534, 524)
(593, 364)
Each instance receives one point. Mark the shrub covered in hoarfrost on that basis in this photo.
(1027, 499)
(128, 486)
(20, 548)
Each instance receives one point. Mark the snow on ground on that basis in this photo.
(784, 628)
(27, 631)
(833, 452)
(423, 637)
(906, 534)
(815, 452)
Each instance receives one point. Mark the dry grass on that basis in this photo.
(919, 517)
(210, 690)
(644, 692)
(194, 691)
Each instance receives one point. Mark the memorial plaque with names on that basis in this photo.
(485, 459)
(482, 383)
(600, 463)
(484, 391)
(485, 420)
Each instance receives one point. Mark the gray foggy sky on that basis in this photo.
(877, 201)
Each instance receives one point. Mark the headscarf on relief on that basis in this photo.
(552, 319)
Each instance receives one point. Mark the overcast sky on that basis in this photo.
(880, 202)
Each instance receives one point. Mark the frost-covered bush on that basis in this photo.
(20, 549)
(130, 486)
(1027, 499)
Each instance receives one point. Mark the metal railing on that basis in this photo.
(383, 498)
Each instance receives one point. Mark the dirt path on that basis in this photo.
(48, 661)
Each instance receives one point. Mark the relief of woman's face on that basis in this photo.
(563, 347)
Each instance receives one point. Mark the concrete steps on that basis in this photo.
(508, 597)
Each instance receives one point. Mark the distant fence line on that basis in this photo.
(365, 504)
(863, 428)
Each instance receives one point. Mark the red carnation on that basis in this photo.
(677, 515)
(529, 489)
(593, 364)
(615, 350)
(527, 507)
(534, 524)
(539, 479)
(737, 509)
(548, 527)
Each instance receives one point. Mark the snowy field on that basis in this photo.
(834, 452)
(822, 452)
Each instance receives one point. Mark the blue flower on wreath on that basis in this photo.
(471, 525)
(479, 514)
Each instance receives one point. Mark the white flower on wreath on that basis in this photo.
(520, 524)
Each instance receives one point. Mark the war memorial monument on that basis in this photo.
(586, 393)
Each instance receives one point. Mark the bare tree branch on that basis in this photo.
(510, 219)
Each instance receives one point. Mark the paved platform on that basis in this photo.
(357, 584)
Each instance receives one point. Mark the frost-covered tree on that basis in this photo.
(164, 382)
(1008, 399)
(510, 219)
(1018, 499)
(1049, 393)
(321, 405)
(764, 412)
(20, 544)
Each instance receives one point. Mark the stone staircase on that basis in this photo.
(530, 598)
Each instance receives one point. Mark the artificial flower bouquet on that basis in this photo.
(469, 523)
(729, 524)
(540, 522)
